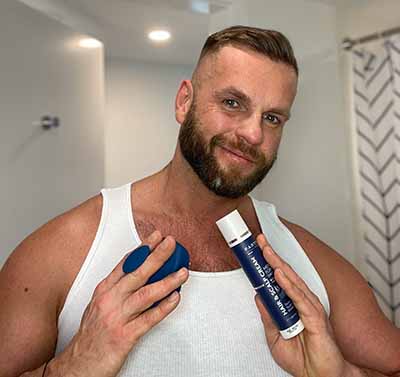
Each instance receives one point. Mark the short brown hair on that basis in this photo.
(271, 43)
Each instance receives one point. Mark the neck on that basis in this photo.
(184, 193)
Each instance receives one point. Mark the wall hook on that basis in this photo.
(48, 122)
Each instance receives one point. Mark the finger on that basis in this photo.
(275, 261)
(138, 278)
(136, 328)
(313, 317)
(262, 240)
(117, 273)
(271, 331)
(146, 296)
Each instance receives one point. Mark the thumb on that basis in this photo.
(271, 331)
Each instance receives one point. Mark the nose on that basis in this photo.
(251, 130)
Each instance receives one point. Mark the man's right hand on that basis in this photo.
(117, 316)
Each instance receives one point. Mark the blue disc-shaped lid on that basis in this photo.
(136, 258)
(179, 259)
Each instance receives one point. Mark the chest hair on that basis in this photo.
(207, 250)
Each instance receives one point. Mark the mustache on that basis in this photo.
(239, 145)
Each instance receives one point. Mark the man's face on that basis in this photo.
(230, 135)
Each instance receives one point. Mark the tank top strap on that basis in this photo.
(289, 249)
(117, 201)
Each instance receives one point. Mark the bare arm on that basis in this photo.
(33, 285)
(365, 336)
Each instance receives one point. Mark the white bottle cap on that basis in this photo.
(293, 330)
(233, 228)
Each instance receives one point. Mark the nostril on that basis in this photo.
(251, 135)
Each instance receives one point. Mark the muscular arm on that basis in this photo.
(365, 336)
(33, 285)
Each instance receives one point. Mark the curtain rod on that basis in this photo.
(348, 44)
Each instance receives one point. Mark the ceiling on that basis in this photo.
(122, 25)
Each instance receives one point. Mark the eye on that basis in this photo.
(273, 119)
(231, 103)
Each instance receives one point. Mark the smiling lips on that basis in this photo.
(238, 154)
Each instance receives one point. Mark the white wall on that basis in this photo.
(42, 71)
(141, 130)
(361, 18)
(354, 21)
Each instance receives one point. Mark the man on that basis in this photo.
(65, 313)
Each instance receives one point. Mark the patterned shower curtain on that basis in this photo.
(376, 77)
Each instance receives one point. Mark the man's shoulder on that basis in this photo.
(65, 230)
(46, 262)
(316, 249)
(326, 260)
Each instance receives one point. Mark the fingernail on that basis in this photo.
(173, 296)
(181, 272)
(167, 239)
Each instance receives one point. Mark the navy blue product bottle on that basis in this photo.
(260, 274)
(179, 259)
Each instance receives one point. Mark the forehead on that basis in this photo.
(254, 73)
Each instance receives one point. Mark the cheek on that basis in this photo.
(277, 136)
(272, 139)
(215, 122)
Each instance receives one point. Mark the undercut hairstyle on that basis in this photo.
(270, 43)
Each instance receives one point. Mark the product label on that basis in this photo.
(261, 276)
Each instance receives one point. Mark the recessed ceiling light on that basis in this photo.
(159, 35)
(200, 6)
(90, 43)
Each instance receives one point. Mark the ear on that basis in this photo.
(183, 100)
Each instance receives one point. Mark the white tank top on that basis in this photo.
(216, 329)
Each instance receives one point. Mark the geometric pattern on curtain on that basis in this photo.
(376, 78)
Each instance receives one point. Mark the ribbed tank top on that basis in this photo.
(216, 329)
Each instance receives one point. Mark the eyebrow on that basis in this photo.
(245, 99)
(234, 92)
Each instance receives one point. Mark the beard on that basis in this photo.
(201, 157)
